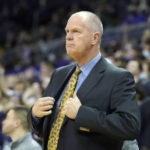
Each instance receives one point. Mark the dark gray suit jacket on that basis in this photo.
(108, 115)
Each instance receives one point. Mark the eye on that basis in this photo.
(76, 31)
(66, 31)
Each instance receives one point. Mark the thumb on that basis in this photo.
(74, 94)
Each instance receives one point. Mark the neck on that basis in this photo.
(18, 134)
(136, 78)
(86, 58)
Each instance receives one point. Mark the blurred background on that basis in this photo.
(32, 45)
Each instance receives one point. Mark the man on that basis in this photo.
(102, 112)
(2, 136)
(145, 125)
(16, 126)
(135, 67)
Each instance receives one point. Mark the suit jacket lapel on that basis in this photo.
(61, 83)
(93, 78)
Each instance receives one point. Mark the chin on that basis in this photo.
(70, 51)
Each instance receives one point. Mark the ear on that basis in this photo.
(95, 38)
(17, 123)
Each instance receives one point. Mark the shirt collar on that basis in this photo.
(86, 68)
(20, 140)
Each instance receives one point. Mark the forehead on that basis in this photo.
(133, 62)
(76, 21)
(10, 113)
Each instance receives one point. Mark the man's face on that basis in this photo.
(9, 124)
(133, 67)
(78, 37)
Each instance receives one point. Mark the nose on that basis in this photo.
(69, 36)
(3, 122)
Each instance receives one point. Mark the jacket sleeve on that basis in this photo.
(36, 124)
(123, 122)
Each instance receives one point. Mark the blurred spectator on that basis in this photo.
(145, 128)
(135, 67)
(15, 125)
(31, 94)
(146, 50)
(3, 138)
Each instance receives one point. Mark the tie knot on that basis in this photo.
(77, 71)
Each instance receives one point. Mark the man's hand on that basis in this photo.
(42, 107)
(71, 107)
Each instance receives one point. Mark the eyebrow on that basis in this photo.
(74, 28)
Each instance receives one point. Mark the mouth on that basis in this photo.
(69, 45)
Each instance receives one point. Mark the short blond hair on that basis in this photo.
(21, 113)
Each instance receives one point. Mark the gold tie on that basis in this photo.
(56, 126)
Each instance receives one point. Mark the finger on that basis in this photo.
(47, 98)
(74, 94)
(48, 107)
(69, 100)
(48, 102)
(67, 103)
(45, 113)
(63, 112)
